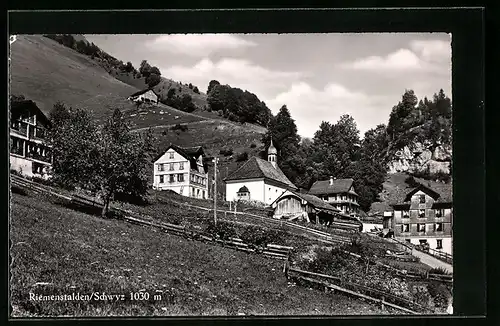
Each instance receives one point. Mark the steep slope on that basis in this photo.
(46, 72)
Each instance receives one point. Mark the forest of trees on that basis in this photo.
(237, 105)
(337, 150)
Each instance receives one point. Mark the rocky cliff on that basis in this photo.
(421, 157)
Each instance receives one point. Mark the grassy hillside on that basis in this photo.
(56, 250)
(213, 135)
(46, 72)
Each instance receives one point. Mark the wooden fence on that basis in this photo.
(358, 290)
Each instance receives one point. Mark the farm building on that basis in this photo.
(147, 95)
(258, 180)
(182, 169)
(339, 193)
(424, 215)
(292, 205)
(29, 153)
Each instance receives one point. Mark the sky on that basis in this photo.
(319, 77)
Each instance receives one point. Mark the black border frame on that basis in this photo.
(468, 87)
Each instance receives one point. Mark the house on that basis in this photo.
(258, 180)
(182, 169)
(29, 153)
(424, 216)
(337, 192)
(292, 205)
(147, 95)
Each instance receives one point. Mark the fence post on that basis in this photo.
(382, 303)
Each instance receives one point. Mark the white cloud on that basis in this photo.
(235, 72)
(309, 106)
(198, 44)
(425, 55)
(402, 59)
(432, 50)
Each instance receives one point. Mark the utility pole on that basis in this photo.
(215, 189)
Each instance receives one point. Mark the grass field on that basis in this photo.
(46, 72)
(56, 250)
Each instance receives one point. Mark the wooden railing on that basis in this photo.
(358, 290)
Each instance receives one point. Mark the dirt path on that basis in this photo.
(432, 261)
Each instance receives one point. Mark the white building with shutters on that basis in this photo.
(182, 169)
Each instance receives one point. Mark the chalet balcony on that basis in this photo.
(39, 157)
(19, 128)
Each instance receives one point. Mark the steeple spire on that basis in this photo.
(272, 154)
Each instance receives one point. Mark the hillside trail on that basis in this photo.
(432, 261)
(172, 125)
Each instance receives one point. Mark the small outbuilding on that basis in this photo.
(147, 96)
(293, 205)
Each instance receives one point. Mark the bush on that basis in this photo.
(326, 260)
(222, 230)
(358, 246)
(439, 293)
(196, 90)
(253, 145)
(220, 113)
(242, 157)
(254, 236)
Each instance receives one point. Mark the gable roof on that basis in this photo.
(323, 187)
(440, 192)
(259, 168)
(423, 188)
(16, 107)
(189, 153)
(316, 202)
(144, 91)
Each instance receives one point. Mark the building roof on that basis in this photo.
(144, 91)
(189, 153)
(441, 192)
(323, 187)
(316, 202)
(256, 168)
(16, 107)
(243, 189)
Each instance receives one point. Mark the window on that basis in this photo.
(421, 213)
(171, 155)
(406, 214)
(422, 241)
(422, 199)
(438, 227)
(405, 228)
(180, 177)
(421, 227)
(171, 166)
(161, 178)
(439, 243)
(439, 212)
(181, 166)
(172, 178)
(160, 167)
(203, 193)
(408, 240)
